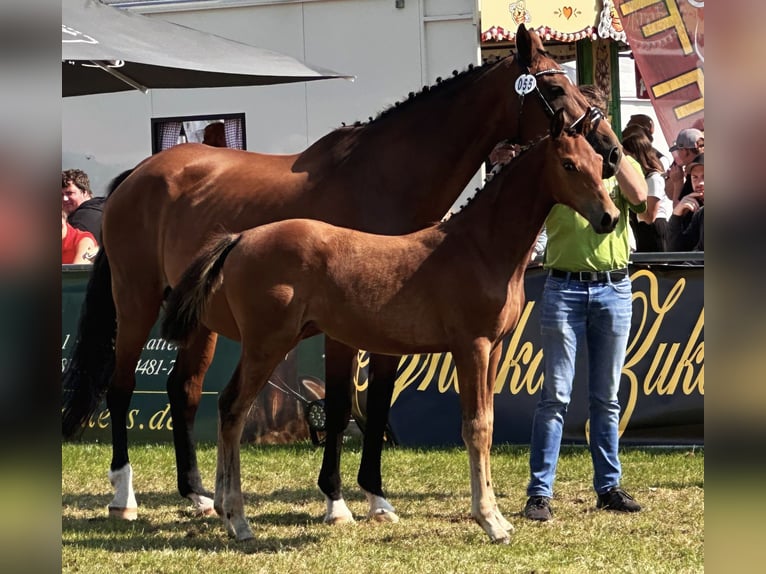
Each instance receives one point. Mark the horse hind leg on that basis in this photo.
(338, 359)
(379, 392)
(133, 328)
(233, 404)
(184, 393)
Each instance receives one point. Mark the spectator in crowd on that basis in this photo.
(214, 135)
(650, 227)
(690, 142)
(586, 307)
(647, 124)
(83, 210)
(77, 246)
(686, 225)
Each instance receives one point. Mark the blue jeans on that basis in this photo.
(578, 317)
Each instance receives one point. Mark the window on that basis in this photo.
(167, 132)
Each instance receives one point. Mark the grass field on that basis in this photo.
(430, 491)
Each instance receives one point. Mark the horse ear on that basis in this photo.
(583, 127)
(523, 46)
(557, 123)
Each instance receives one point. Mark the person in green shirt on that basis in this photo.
(586, 308)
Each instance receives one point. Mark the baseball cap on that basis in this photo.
(699, 160)
(687, 139)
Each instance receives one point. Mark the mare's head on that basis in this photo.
(572, 173)
(543, 88)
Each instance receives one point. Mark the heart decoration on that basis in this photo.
(567, 10)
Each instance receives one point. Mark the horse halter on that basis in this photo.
(527, 83)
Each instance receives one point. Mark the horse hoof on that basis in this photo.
(504, 523)
(245, 534)
(383, 516)
(336, 520)
(202, 505)
(123, 513)
(502, 540)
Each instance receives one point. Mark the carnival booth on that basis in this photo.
(666, 39)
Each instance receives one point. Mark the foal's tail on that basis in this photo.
(186, 303)
(91, 363)
(89, 370)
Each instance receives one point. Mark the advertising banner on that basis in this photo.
(662, 386)
(661, 394)
(277, 417)
(667, 38)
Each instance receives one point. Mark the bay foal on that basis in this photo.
(456, 286)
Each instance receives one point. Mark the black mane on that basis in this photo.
(491, 176)
(439, 87)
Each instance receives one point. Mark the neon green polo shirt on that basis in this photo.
(573, 245)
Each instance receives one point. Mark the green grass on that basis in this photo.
(430, 491)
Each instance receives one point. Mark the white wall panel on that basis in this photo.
(390, 50)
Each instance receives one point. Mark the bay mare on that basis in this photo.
(393, 175)
(453, 287)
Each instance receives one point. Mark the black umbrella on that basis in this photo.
(105, 49)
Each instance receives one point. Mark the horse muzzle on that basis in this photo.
(611, 154)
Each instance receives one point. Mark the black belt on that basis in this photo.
(591, 276)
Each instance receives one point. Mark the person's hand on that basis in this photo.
(674, 181)
(503, 153)
(689, 203)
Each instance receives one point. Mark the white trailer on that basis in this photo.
(393, 47)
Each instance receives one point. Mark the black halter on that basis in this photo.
(592, 112)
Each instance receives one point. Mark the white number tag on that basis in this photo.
(525, 84)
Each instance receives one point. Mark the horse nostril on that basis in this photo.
(614, 156)
(608, 222)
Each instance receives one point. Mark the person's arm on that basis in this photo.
(655, 190)
(683, 231)
(86, 245)
(631, 181)
(674, 181)
(652, 208)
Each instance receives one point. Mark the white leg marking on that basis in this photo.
(124, 503)
(203, 505)
(380, 509)
(337, 512)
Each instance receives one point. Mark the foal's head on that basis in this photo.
(573, 174)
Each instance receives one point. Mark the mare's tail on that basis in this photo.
(91, 363)
(186, 303)
(88, 373)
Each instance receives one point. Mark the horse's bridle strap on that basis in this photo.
(592, 112)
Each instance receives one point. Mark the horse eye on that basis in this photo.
(556, 91)
(569, 165)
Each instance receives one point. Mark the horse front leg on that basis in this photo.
(380, 388)
(494, 359)
(184, 392)
(476, 403)
(338, 359)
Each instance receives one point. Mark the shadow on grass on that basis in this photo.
(141, 535)
(177, 529)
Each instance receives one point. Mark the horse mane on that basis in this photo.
(338, 144)
(441, 86)
(492, 176)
